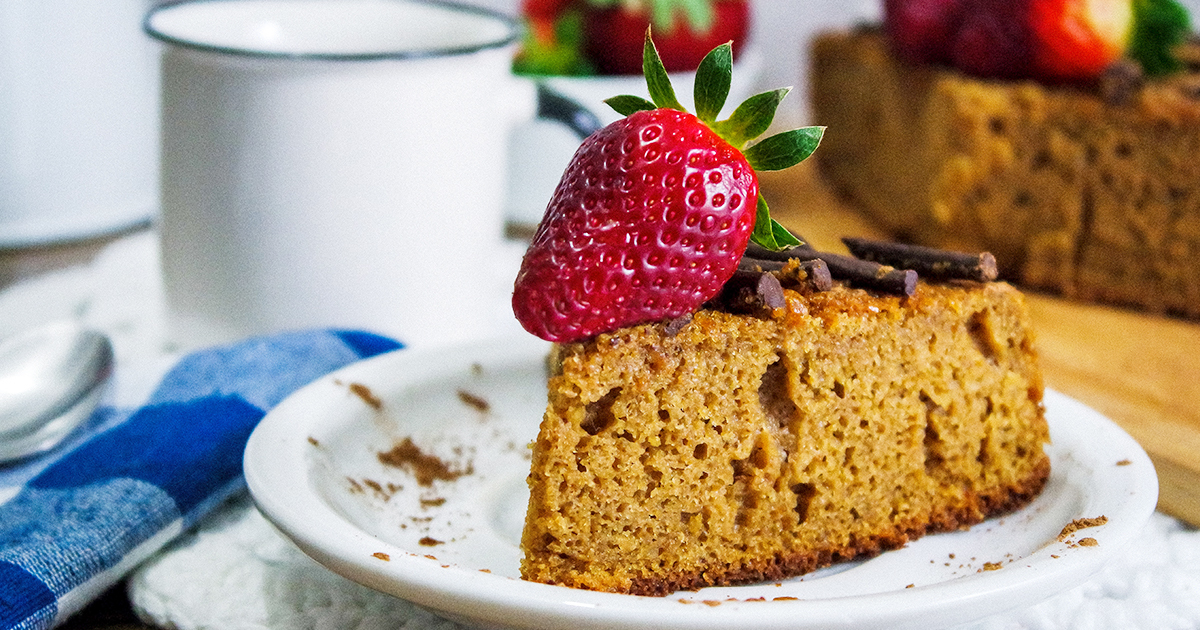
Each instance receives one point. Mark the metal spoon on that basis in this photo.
(51, 379)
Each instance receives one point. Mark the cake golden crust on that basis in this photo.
(1089, 196)
(755, 447)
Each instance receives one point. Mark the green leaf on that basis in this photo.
(657, 81)
(784, 149)
(1158, 27)
(713, 78)
(627, 104)
(768, 232)
(751, 118)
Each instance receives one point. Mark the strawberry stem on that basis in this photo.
(713, 78)
(657, 80)
(751, 119)
(748, 121)
(768, 232)
(1158, 27)
(784, 150)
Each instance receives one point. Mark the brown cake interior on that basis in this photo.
(754, 447)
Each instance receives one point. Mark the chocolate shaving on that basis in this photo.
(863, 273)
(676, 325)
(1121, 81)
(937, 264)
(816, 272)
(753, 289)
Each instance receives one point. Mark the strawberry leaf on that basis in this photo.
(751, 119)
(713, 78)
(1158, 27)
(768, 232)
(627, 104)
(657, 81)
(785, 149)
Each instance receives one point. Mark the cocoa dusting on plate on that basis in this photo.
(476, 402)
(1081, 523)
(426, 468)
(435, 502)
(383, 491)
(1124, 462)
(367, 396)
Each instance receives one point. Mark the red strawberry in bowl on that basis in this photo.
(612, 33)
(1047, 40)
(587, 37)
(921, 30)
(655, 210)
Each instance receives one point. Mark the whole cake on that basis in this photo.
(1087, 186)
(728, 404)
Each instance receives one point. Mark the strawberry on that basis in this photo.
(655, 210)
(921, 30)
(1047, 40)
(993, 39)
(1078, 39)
(612, 35)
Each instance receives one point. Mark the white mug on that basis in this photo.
(336, 163)
(78, 120)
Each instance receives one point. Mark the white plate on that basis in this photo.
(314, 470)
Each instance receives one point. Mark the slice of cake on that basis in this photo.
(728, 404)
(739, 447)
(1087, 189)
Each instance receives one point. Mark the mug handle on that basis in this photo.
(552, 105)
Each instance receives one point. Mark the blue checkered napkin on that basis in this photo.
(81, 517)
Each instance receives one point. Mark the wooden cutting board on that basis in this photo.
(1141, 371)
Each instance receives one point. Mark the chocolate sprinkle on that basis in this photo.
(879, 266)
(937, 264)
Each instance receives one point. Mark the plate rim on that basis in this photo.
(471, 596)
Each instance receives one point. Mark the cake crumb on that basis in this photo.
(1081, 523)
(1124, 462)
(478, 403)
(381, 556)
(367, 396)
(430, 541)
(991, 566)
(1088, 542)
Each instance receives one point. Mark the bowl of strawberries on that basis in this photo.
(589, 50)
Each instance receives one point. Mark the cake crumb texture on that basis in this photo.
(1078, 194)
(747, 448)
